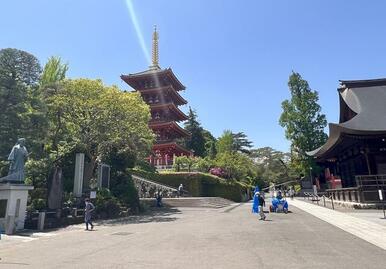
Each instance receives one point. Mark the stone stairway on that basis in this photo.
(200, 202)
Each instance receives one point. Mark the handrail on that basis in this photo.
(280, 184)
(162, 186)
(316, 198)
(155, 183)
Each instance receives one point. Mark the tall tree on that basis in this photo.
(51, 84)
(196, 141)
(54, 72)
(22, 112)
(233, 142)
(303, 121)
(210, 144)
(225, 142)
(51, 81)
(241, 142)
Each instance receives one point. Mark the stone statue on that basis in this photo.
(17, 158)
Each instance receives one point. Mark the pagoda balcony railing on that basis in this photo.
(163, 140)
(366, 191)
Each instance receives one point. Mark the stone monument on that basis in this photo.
(13, 191)
(103, 176)
(79, 172)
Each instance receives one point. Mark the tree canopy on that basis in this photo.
(196, 141)
(99, 118)
(303, 121)
(22, 112)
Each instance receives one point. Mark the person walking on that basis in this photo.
(158, 198)
(292, 193)
(180, 190)
(87, 213)
(261, 202)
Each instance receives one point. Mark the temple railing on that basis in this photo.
(346, 194)
(366, 190)
(369, 186)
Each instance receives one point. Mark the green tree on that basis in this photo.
(274, 165)
(225, 143)
(22, 112)
(210, 144)
(51, 82)
(241, 142)
(54, 72)
(183, 162)
(303, 121)
(238, 166)
(211, 149)
(96, 119)
(196, 141)
(233, 142)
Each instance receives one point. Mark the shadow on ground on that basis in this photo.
(164, 214)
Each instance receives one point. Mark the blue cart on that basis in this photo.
(279, 206)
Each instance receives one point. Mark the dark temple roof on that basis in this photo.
(367, 99)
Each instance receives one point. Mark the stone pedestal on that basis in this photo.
(13, 204)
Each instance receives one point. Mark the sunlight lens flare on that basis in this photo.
(138, 31)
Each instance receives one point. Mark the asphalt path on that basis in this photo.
(198, 238)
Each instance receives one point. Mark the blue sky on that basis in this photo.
(233, 56)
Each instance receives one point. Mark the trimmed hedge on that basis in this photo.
(198, 184)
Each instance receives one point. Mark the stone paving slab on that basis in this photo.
(199, 238)
(370, 231)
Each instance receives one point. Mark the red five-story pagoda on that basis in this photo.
(160, 89)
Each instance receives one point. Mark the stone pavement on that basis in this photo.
(226, 238)
(366, 229)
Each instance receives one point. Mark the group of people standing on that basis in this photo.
(259, 201)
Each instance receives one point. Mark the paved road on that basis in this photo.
(199, 238)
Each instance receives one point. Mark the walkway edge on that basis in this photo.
(366, 230)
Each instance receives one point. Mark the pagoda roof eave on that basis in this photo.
(171, 145)
(178, 97)
(132, 78)
(181, 115)
(172, 124)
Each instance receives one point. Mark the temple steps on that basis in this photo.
(209, 202)
(200, 202)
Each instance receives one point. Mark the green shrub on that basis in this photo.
(145, 166)
(107, 206)
(198, 184)
(123, 188)
(38, 204)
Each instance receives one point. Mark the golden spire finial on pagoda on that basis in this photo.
(154, 54)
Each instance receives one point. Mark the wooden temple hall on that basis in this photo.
(160, 89)
(355, 152)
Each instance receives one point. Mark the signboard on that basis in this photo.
(92, 194)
